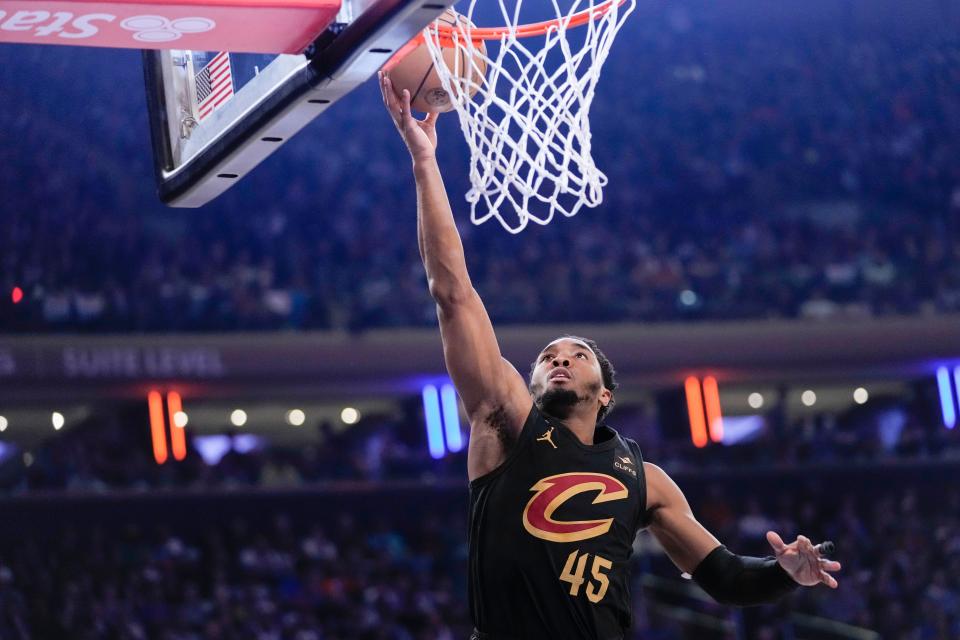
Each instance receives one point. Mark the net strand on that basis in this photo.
(528, 126)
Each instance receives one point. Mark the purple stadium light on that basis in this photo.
(956, 386)
(451, 418)
(946, 397)
(431, 414)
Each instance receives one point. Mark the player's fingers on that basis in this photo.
(391, 98)
(380, 83)
(811, 556)
(382, 79)
(385, 96)
(830, 565)
(431, 118)
(775, 541)
(406, 109)
(828, 580)
(807, 554)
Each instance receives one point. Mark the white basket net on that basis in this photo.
(528, 125)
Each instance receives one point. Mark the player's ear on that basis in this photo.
(605, 396)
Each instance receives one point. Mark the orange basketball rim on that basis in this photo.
(447, 35)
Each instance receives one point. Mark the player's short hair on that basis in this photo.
(607, 371)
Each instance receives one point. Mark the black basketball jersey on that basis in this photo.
(551, 535)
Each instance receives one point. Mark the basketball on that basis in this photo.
(416, 73)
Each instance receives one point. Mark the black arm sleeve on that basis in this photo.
(741, 580)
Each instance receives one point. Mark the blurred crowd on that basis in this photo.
(359, 533)
(899, 547)
(338, 579)
(319, 571)
(753, 173)
(104, 453)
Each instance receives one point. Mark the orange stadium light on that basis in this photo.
(698, 427)
(254, 26)
(711, 400)
(157, 430)
(178, 438)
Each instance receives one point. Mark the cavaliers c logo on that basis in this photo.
(554, 491)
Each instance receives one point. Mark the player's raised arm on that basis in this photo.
(729, 578)
(494, 394)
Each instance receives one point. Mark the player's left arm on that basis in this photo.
(729, 578)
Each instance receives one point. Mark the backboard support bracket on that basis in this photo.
(284, 97)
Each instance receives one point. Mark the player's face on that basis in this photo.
(566, 372)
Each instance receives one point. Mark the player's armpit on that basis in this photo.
(684, 539)
(489, 385)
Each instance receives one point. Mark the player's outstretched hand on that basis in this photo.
(420, 135)
(803, 561)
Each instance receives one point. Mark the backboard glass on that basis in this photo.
(215, 116)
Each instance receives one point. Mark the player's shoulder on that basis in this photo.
(661, 489)
(630, 444)
(655, 474)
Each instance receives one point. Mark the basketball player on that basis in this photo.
(556, 496)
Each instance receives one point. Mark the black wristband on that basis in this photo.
(742, 580)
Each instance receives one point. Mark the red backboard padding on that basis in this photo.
(255, 26)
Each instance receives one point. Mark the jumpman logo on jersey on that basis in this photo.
(547, 437)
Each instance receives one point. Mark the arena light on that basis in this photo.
(296, 417)
(349, 415)
(451, 417)
(16, 295)
(3, 423)
(212, 448)
(808, 398)
(431, 415)
(58, 420)
(246, 442)
(238, 417)
(755, 400)
(157, 435)
(861, 395)
(956, 382)
(711, 401)
(178, 439)
(742, 429)
(698, 426)
(688, 298)
(7, 451)
(947, 407)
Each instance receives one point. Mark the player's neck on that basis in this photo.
(583, 425)
(583, 429)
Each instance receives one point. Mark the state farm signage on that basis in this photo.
(64, 24)
(269, 27)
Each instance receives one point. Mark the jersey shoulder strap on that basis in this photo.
(645, 514)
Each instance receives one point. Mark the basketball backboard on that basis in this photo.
(214, 115)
